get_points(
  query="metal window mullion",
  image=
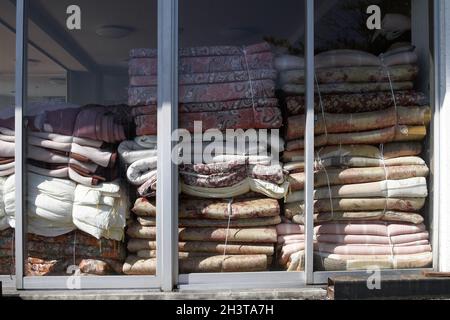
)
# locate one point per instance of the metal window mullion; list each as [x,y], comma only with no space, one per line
[436,129]
[20,143]
[309,141]
[167,191]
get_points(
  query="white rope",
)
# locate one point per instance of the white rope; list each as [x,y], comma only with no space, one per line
[230,213]
[328,183]
[249,78]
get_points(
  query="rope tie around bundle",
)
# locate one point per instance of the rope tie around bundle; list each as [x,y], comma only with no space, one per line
[229,213]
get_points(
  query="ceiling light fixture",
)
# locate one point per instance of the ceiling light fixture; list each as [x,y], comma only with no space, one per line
[114,32]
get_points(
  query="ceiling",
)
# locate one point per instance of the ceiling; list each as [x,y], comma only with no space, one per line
[202,22]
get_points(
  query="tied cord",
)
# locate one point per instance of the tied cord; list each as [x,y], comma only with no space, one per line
[74,248]
[391,246]
[394,99]
[321,107]
[244,50]
[386,197]
[230,213]
[321,166]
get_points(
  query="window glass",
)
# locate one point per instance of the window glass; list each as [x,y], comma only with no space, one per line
[7,134]
[231,127]
[372,135]
[90,171]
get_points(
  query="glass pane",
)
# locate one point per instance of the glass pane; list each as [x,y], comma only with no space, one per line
[87,161]
[231,135]
[7,101]
[372,135]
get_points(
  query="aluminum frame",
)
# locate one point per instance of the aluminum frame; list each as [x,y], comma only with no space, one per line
[167,196]
[20,98]
[54,282]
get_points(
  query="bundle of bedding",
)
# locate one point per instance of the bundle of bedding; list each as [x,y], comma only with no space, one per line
[233,235]
[224,87]
[386,245]
[54,256]
[369,130]
[360,98]
[232,169]
[139,158]
[77,143]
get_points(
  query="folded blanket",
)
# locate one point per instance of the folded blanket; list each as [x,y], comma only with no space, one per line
[268,189]
[139,245]
[366,239]
[219,209]
[373,228]
[360,204]
[250,118]
[388,152]
[205,51]
[206,64]
[356,58]
[138,96]
[404,188]
[336,262]
[332,176]
[338,88]
[4,224]
[101,123]
[227,263]
[142,170]
[406,72]
[6,149]
[50,203]
[338,123]
[291,211]
[392,134]
[252,235]
[208,78]
[356,102]
[131,151]
[211,106]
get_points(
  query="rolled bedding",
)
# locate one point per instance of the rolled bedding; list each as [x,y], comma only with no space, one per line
[356,102]
[7,147]
[347,152]
[358,204]
[220,263]
[206,59]
[268,189]
[405,188]
[140,158]
[398,73]
[53,256]
[344,176]
[336,262]
[247,235]
[50,205]
[291,213]
[364,121]
[250,118]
